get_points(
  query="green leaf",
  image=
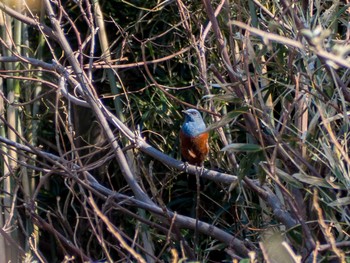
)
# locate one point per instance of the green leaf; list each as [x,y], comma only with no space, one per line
[288,178]
[340,201]
[312,180]
[227,118]
[242,147]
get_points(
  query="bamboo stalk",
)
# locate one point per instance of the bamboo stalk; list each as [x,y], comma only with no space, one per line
[11,155]
[106,55]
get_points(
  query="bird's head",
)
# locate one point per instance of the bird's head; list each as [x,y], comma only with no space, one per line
[194,124]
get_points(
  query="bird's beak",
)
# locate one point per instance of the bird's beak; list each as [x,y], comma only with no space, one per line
[185,112]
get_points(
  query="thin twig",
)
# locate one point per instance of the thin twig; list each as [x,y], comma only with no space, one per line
[114,232]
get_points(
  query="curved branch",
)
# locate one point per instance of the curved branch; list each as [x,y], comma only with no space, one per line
[103,192]
[95,104]
[280,213]
[142,200]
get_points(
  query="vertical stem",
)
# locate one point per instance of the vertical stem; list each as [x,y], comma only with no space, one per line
[3,162]
[11,37]
[106,55]
[10,154]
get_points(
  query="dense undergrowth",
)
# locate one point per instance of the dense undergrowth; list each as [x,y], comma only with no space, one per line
[90,112]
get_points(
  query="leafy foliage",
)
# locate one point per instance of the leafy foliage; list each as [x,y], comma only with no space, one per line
[270,77]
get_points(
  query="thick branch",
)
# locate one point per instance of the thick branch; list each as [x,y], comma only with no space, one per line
[181,221]
[95,105]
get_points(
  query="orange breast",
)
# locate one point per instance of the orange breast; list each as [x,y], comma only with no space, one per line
[194,149]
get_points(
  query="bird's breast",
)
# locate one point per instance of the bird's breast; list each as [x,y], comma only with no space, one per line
[194,149]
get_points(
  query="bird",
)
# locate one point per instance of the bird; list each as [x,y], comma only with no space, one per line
[194,138]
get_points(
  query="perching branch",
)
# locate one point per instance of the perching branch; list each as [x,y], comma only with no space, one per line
[104,192]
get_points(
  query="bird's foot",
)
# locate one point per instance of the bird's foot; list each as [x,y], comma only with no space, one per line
[186,167]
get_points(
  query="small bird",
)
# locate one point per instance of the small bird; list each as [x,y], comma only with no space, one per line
[193,138]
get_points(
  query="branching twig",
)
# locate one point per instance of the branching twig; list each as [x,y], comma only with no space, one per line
[115,233]
[181,221]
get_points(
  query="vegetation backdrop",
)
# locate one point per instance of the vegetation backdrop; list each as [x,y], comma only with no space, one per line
[90,112]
